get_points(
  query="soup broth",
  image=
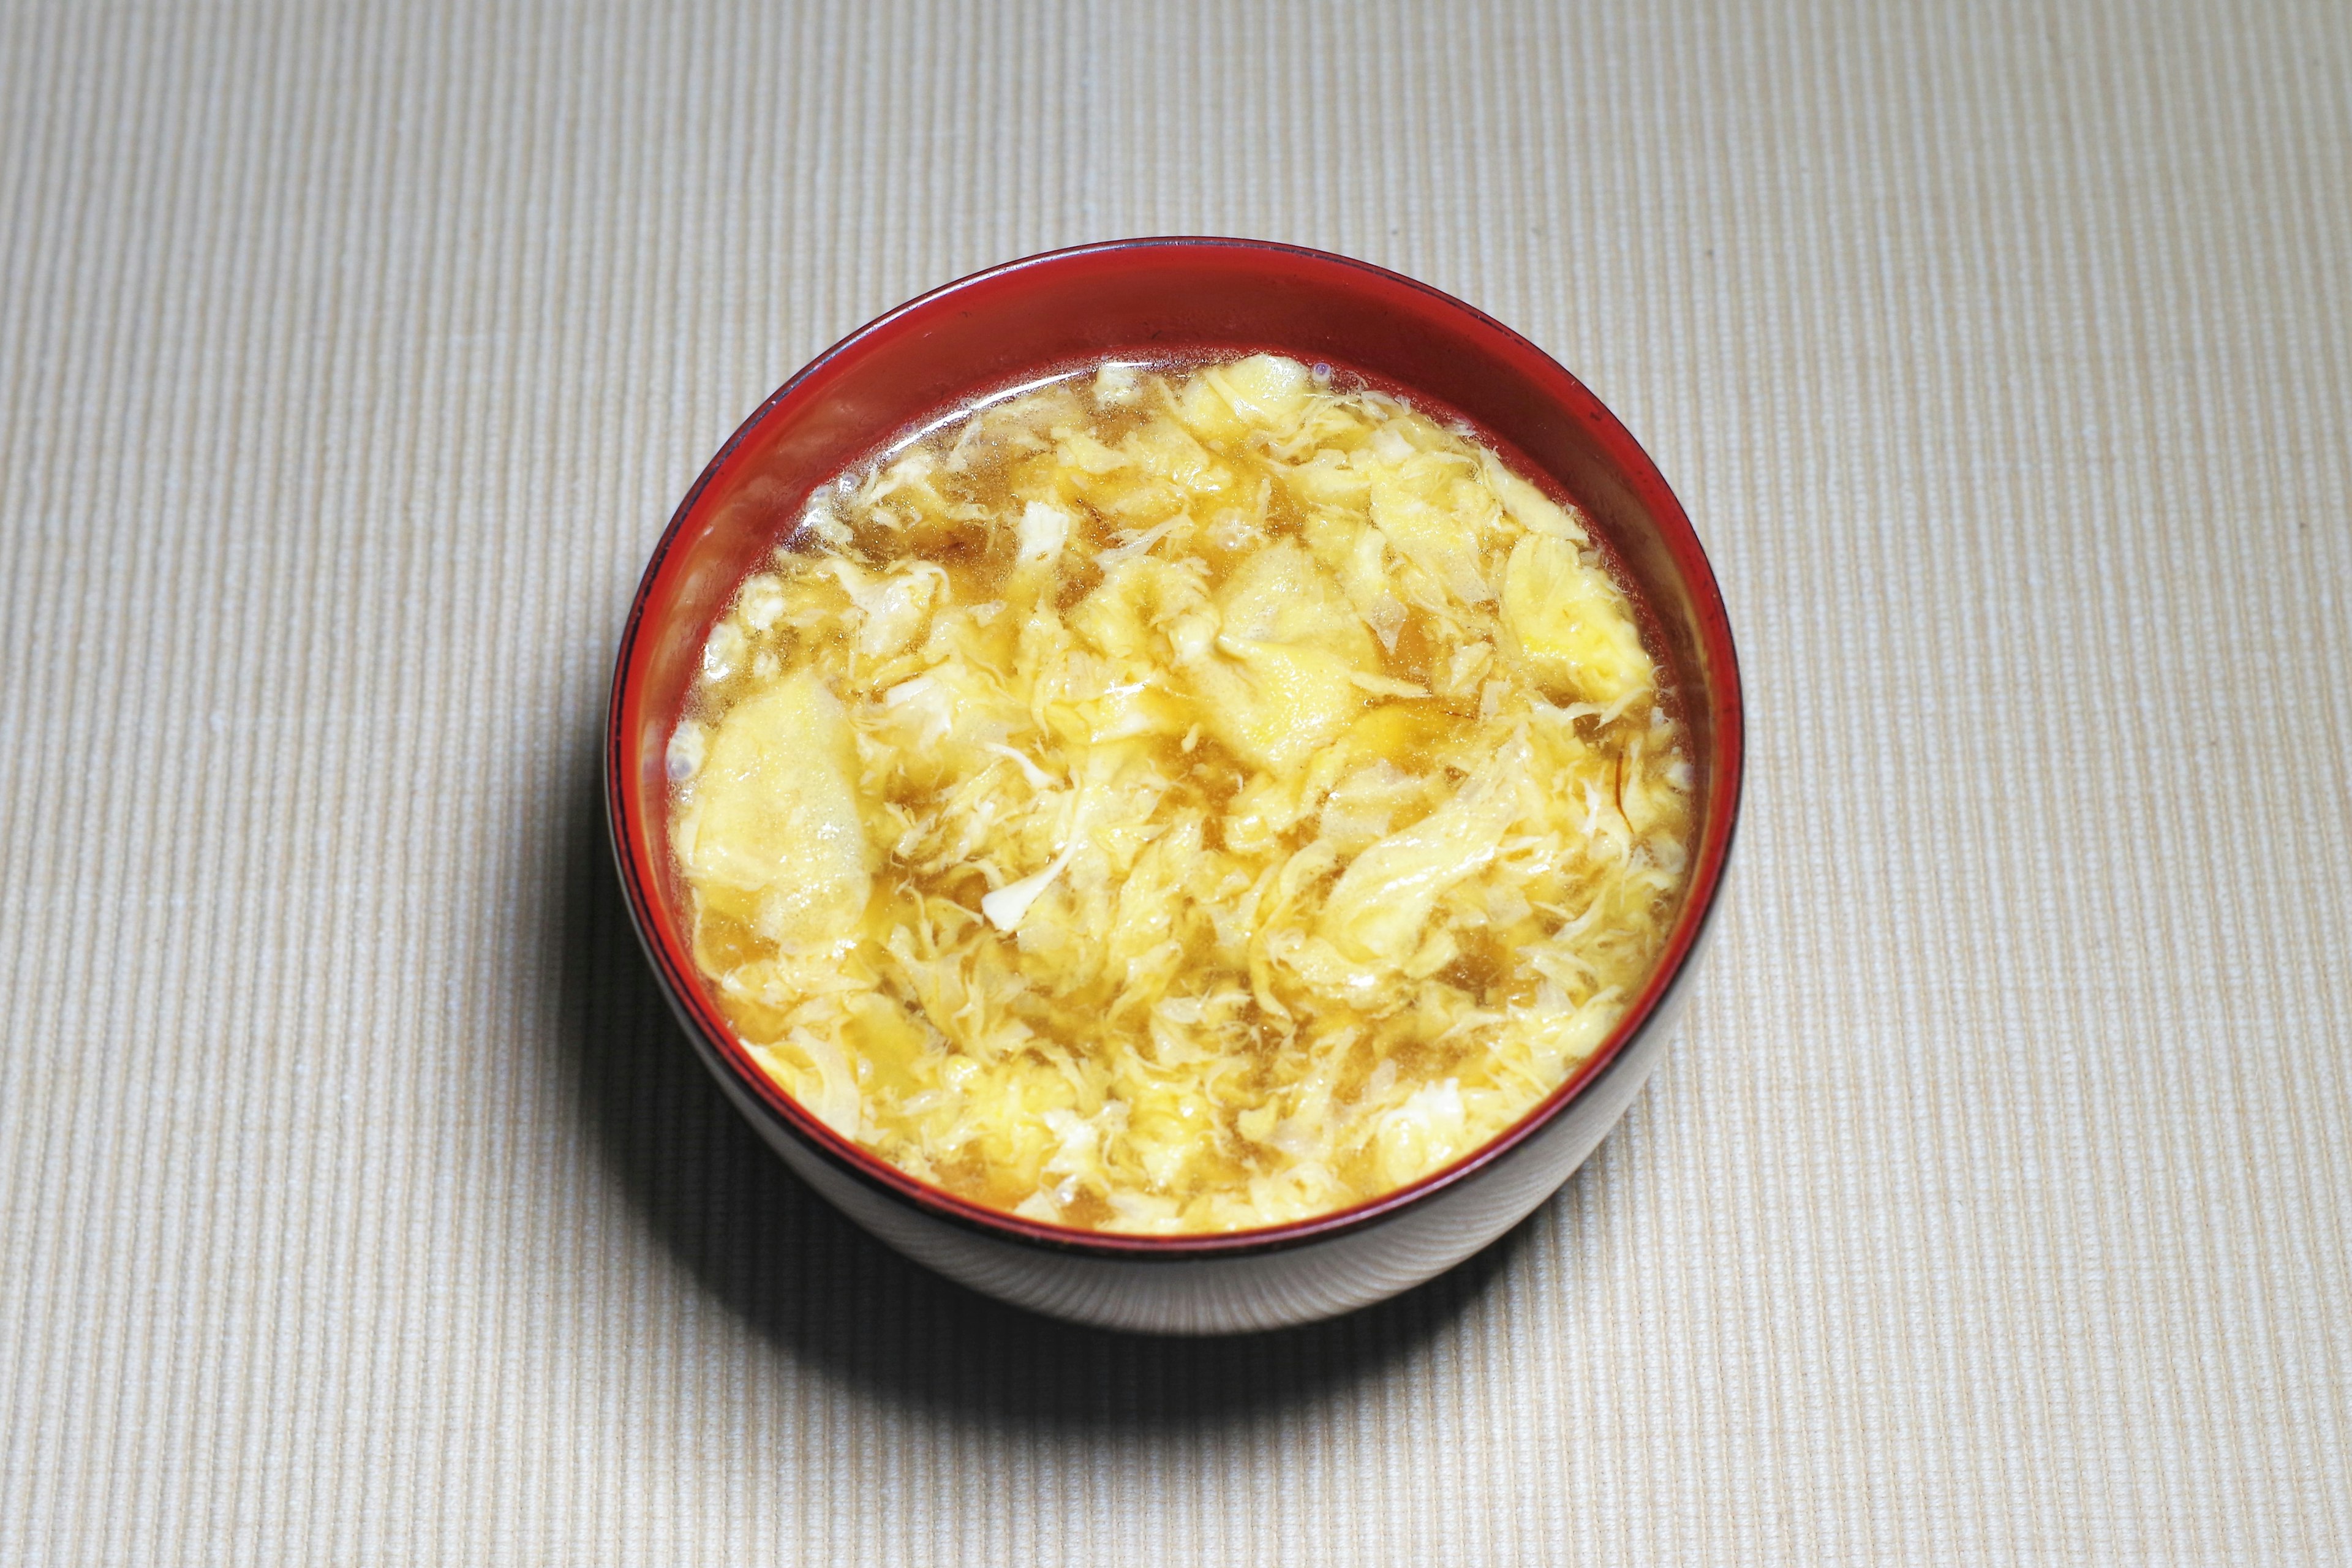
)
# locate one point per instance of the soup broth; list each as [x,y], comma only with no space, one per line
[1180,798]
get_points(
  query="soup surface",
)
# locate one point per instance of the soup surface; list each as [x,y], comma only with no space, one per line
[1180,799]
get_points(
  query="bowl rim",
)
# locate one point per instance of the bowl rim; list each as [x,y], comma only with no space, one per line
[720,1046]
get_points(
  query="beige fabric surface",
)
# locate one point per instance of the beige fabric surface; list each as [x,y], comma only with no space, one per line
[358,1202]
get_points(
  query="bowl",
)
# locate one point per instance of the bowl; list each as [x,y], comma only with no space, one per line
[1028,320]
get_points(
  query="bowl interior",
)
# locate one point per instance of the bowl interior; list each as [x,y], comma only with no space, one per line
[1136,301]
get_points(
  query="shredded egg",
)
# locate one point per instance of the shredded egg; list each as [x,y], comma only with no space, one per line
[1180,799]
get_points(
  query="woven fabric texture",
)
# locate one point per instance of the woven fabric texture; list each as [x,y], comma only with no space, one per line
[358,1201]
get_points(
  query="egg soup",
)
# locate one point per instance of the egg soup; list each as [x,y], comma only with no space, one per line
[1180,799]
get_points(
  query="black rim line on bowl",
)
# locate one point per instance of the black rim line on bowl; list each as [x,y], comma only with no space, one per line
[870,1169]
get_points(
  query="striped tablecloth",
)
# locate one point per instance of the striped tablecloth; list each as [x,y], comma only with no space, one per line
[358,1204]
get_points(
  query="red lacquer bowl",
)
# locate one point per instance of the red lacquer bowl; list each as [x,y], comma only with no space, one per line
[1136,300]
